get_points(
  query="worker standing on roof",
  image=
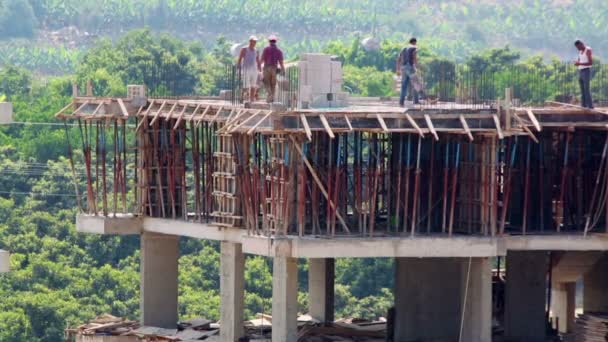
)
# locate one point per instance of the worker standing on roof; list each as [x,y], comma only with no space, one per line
[249,63]
[584,63]
[272,58]
[407,63]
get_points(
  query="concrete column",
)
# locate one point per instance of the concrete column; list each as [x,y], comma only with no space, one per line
[525,295]
[284,299]
[563,305]
[232,291]
[595,283]
[429,298]
[321,276]
[158,288]
[477,325]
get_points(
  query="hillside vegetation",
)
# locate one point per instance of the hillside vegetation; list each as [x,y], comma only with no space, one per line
[454,28]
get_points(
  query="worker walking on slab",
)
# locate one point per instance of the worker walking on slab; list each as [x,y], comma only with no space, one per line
[584,64]
[407,63]
[272,58]
[250,65]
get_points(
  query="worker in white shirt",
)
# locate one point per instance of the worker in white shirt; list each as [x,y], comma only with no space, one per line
[584,63]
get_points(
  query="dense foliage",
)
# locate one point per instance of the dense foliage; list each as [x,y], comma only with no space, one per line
[454,28]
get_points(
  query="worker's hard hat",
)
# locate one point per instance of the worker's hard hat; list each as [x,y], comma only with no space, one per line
[273,37]
[254,38]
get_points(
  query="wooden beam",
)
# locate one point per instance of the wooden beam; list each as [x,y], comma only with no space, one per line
[326,126]
[157,115]
[202,115]
[414,124]
[80,107]
[306,127]
[382,123]
[525,127]
[532,118]
[146,114]
[463,121]
[252,129]
[429,123]
[319,183]
[217,114]
[123,108]
[498,129]
[60,113]
[179,119]
[245,121]
[350,127]
[181,114]
[577,106]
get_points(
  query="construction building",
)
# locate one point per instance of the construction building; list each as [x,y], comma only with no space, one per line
[444,188]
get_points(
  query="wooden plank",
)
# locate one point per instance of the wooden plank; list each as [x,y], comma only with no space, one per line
[525,127]
[466,127]
[80,108]
[429,123]
[252,129]
[306,127]
[382,123]
[157,115]
[145,116]
[414,124]
[123,108]
[181,114]
[219,111]
[319,183]
[245,121]
[578,107]
[179,119]
[533,119]
[326,126]
[350,127]
[202,115]
[498,129]
[60,113]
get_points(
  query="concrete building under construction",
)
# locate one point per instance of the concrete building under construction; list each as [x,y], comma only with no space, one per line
[444,188]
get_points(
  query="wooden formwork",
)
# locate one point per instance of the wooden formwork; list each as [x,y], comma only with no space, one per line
[365,171]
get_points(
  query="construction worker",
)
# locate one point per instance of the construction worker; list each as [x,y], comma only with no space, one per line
[272,58]
[250,66]
[407,63]
[584,63]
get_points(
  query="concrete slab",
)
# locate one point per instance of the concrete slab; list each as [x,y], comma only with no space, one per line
[562,242]
[571,266]
[4,261]
[119,225]
[416,247]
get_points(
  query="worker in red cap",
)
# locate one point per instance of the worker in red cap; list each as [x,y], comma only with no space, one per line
[272,59]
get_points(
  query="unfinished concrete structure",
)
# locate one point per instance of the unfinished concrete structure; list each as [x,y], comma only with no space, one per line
[443,188]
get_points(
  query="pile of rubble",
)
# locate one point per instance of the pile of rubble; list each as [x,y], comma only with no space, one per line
[591,327]
[257,330]
[108,325]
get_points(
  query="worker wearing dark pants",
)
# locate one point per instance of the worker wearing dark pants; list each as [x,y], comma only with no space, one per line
[584,64]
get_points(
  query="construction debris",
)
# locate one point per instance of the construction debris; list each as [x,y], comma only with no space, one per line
[591,327]
[107,325]
[258,329]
